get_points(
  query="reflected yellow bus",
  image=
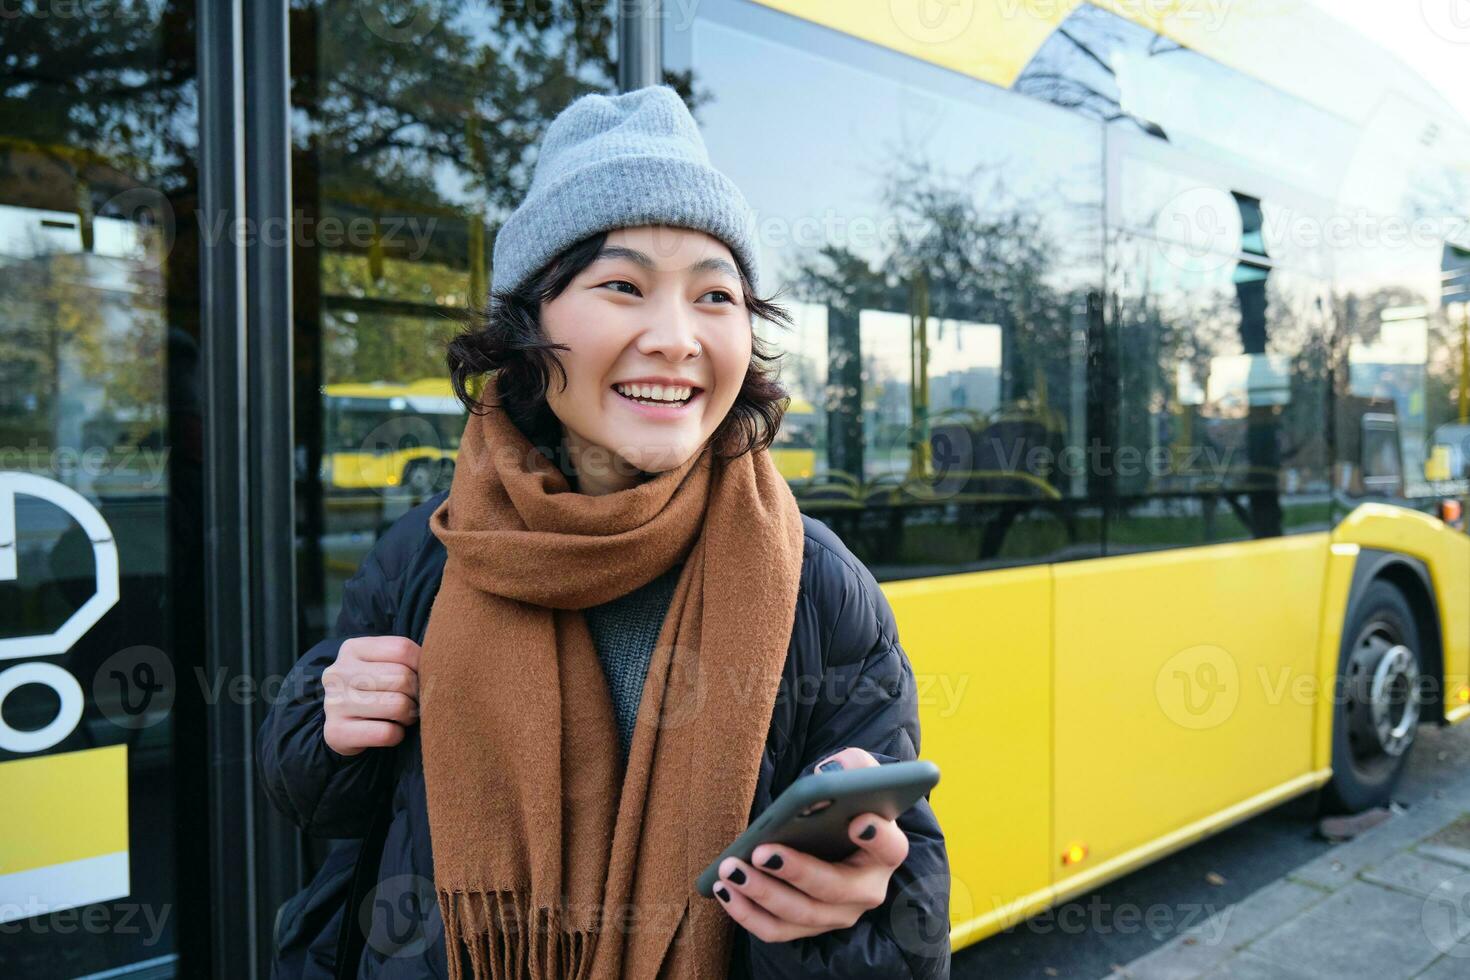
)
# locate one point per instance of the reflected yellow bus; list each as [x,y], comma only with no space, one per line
[794,450]
[383,435]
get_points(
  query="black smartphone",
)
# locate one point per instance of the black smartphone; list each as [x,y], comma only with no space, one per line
[813,813]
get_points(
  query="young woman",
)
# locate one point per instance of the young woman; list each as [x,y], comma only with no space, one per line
[585,668]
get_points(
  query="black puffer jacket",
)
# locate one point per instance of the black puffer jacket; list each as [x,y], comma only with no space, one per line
[847,683]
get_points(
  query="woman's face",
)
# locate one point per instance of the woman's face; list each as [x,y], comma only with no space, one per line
[658,313]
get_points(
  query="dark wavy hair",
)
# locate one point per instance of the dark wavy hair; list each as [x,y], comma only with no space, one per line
[506,342]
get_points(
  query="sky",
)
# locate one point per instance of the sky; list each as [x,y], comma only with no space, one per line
[1433,36]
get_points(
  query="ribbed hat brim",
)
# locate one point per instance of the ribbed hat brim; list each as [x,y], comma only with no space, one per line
[630,191]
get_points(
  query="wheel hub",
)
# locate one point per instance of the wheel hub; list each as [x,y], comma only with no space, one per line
[1395,704]
[1386,709]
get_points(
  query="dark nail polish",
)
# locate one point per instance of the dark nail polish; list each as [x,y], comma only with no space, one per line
[724,895]
[829,766]
[773,862]
[868,832]
[737,876]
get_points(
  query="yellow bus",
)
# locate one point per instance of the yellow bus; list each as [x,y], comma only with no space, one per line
[1149,421]
[794,450]
[383,435]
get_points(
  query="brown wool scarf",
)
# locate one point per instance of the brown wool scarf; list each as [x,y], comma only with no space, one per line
[550,861]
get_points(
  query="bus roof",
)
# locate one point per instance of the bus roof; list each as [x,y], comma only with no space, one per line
[431,387]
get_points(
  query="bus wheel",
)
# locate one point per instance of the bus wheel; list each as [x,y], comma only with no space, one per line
[1375,714]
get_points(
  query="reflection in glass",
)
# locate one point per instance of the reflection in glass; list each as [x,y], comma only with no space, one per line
[100,485]
[411,145]
[940,284]
[1222,399]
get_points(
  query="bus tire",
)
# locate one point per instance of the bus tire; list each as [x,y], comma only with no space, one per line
[1377,700]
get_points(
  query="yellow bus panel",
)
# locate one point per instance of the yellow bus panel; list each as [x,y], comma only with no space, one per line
[1184,684]
[981,648]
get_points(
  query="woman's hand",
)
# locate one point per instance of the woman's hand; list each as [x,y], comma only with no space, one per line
[371,693]
[787,894]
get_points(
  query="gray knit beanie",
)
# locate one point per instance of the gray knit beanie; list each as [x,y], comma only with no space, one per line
[620,161]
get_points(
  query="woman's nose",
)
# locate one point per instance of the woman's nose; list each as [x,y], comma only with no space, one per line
[672,333]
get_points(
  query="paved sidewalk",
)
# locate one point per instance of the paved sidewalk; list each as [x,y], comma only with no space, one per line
[1392,903]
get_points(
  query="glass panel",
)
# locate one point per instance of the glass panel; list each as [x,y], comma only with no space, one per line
[1221,268]
[100,492]
[412,125]
[1404,299]
[937,241]
[1222,395]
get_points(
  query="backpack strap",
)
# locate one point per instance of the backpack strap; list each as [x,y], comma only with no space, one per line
[350,935]
[411,619]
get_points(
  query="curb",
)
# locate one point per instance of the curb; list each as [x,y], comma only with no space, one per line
[1392,902]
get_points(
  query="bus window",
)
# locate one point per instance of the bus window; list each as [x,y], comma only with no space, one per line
[1450,448]
[1222,395]
[943,289]
[1382,463]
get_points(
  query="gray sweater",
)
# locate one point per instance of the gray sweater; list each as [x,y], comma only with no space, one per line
[624,632]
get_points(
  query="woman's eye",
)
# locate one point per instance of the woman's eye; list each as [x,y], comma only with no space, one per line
[728,298]
[622,282]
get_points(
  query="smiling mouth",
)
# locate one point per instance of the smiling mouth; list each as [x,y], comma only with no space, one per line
[668,395]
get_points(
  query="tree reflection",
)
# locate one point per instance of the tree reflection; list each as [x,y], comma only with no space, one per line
[413,130]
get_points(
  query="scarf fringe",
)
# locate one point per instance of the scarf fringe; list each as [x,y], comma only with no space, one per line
[487,926]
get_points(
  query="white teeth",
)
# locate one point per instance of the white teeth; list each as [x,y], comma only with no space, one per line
[671,393]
